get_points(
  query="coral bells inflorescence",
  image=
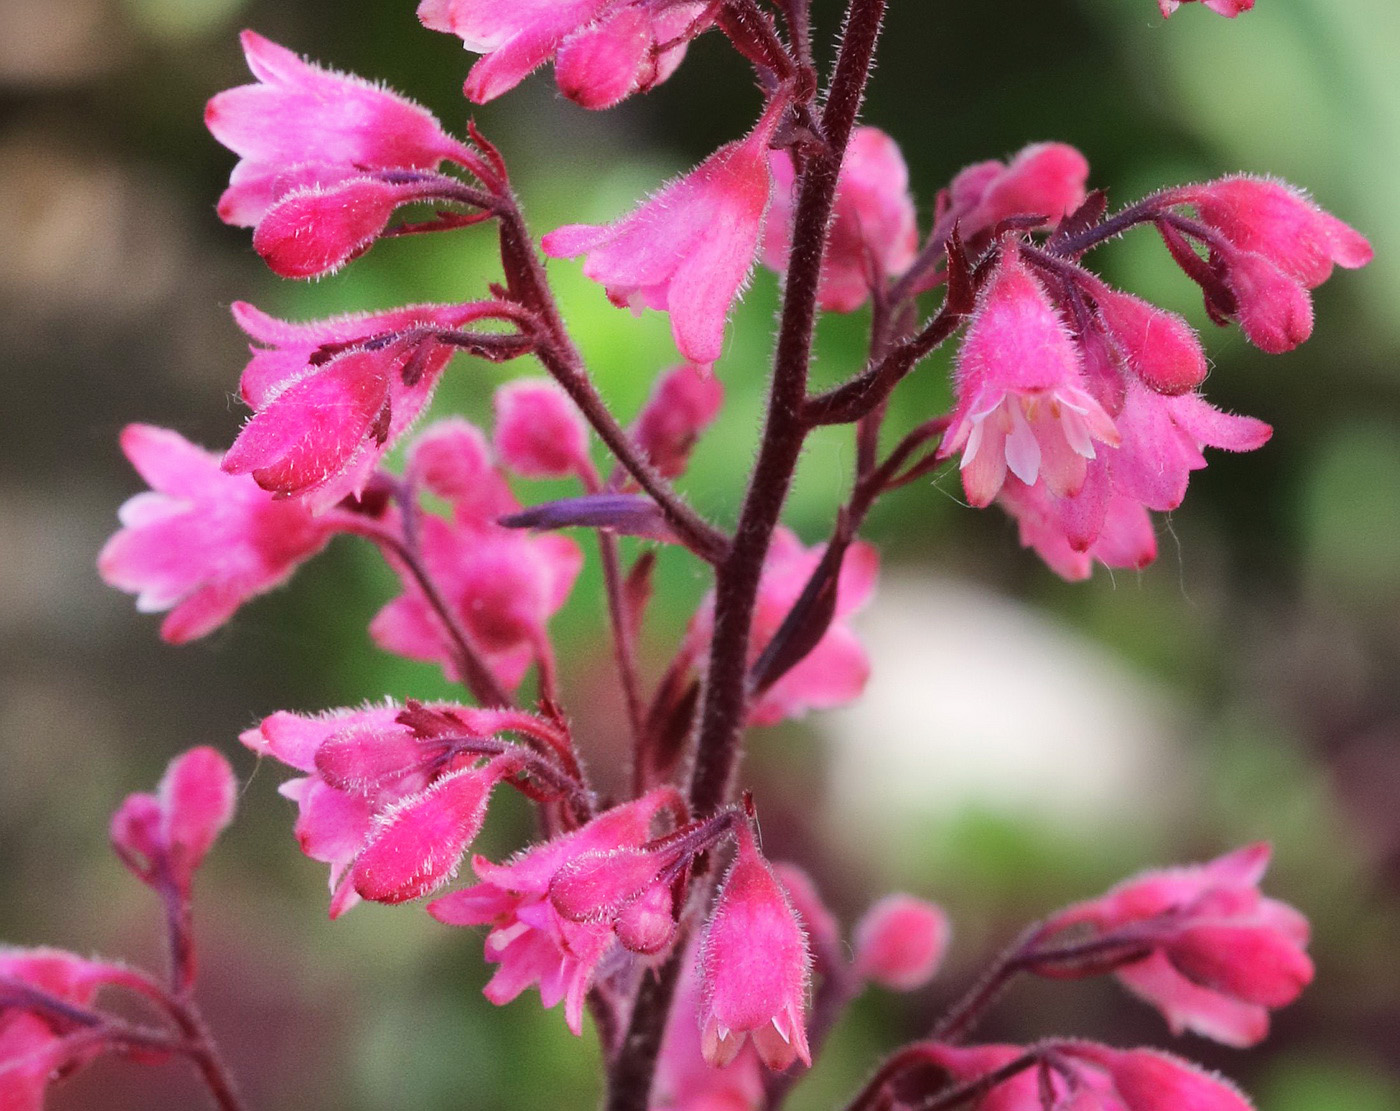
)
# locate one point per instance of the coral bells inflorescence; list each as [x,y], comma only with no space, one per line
[646,900]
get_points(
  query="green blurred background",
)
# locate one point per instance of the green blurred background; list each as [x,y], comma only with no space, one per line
[1025,741]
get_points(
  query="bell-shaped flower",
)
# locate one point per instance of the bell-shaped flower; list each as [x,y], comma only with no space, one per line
[688,249]
[331,397]
[302,126]
[685,1081]
[163,837]
[755,967]
[539,432]
[1222,955]
[1043,179]
[1022,406]
[873,234]
[200,542]
[605,50]
[835,671]
[900,942]
[683,403]
[531,942]
[1228,8]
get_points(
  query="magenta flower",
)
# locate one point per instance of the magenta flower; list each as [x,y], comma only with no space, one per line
[900,942]
[539,432]
[836,670]
[1222,954]
[1228,8]
[162,838]
[201,542]
[606,49]
[683,403]
[1022,406]
[531,942]
[688,250]
[321,426]
[873,234]
[1043,179]
[755,967]
[302,127]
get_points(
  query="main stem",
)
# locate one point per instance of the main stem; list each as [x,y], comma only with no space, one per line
[737,574]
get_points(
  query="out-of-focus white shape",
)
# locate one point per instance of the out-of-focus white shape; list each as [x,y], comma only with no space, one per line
[980,702]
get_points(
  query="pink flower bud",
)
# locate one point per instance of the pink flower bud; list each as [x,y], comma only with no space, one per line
[683,403]
[648,922]
[201,542]
[1228,8]
[197,796]
[1158,346]
[690,247]
[1275,310]
[453,459]
[1044,179]
[1150,1080]
[539,432]
[304,126]
[318,230]
[900,942]
[873,234]
[367,759]
[417,844]
[755,967]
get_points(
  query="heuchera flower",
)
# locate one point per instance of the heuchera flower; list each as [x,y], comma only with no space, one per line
[539,432]
[35,1044]
[836,670]
[900,942]
[1227,8]
[755,967]
[873,235]
[201,542]
[604,50]
[1222,953]
[1043,179]
[303,127]
[532,943]
[502,584]
[683,403]
[1087,1077]
[1022,405]
[320,428]
[163,837]
[687,250]
[390,811]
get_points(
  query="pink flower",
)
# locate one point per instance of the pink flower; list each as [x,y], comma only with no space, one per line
[201,542]
[531,942]
[900,942]
[539,432]
[502,584]
[685,1081]
[388,802]
[755,967]
[1044,179]
[1022,405]
[1228,8]
[1222,954]
[163,837]
[688,250]
[683,403]
[321,426]
[1159,347]
[605,50]
[302,126]
[873,234]
[836,670]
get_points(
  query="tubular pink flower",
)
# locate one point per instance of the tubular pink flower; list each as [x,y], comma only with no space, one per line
[755,967]
[539,432]
[302,126]
[1022,405]
[900,942]
[1228,8]
[873,234]
[683,403]
[201,542]
[606,49]
[317,229]
[1043,179]
[1223,954]
[1157,346]
[320,428]
[688,250]
[531,942]
[836,670]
